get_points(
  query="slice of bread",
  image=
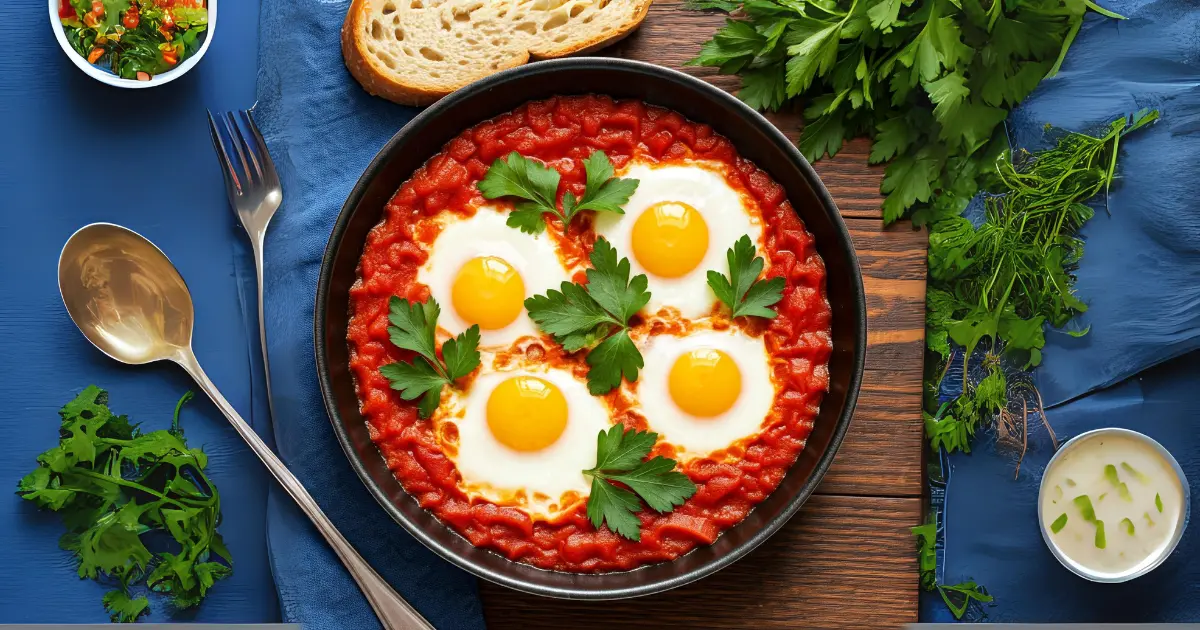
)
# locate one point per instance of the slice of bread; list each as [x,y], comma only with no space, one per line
[414,52]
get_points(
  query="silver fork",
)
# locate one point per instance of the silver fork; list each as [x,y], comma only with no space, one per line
[255,193]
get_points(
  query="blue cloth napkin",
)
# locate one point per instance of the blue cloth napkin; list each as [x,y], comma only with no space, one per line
[77,151]
[323,130]
[1140,274]
[991,523]
[1141,279]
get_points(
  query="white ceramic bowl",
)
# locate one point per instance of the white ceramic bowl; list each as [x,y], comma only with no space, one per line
[103,75]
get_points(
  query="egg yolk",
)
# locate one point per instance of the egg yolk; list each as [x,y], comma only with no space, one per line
[526,413]
[489,292]
[670,239]
[705,382]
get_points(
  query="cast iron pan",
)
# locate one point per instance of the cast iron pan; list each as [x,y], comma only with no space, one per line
[757,140]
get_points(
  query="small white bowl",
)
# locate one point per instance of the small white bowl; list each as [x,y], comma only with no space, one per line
[1153,561]
[105,76]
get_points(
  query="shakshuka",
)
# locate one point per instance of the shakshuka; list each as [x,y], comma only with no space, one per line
[502,458]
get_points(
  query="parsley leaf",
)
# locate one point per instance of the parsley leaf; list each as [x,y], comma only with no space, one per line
[619,457]
[414,328]
[742,291]
[596,316]
[929,81]
[609,283]
[537,186]
[612,359]
[604,192]
[124,609]
[112,484]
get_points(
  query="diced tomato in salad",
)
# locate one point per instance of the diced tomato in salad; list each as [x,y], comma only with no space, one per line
[65,10]
[136,38]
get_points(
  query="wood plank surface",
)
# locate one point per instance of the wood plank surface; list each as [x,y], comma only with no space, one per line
[835,565]
[847,560]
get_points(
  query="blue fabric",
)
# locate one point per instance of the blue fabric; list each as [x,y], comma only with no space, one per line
[1140,274]
[76,151]
[323,130]
[1141,279]
[991,526]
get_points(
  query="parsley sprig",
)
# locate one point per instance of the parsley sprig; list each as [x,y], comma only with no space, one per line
[537,186]
[578,316]
[619,458]
[414,328]
[112,484]
[742,290]
[929,81]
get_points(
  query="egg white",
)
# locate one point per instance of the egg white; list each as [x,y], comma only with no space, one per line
[536,480]
[703,188]
[694,436]
[485,234]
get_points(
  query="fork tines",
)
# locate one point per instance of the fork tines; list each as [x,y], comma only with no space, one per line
[245,162]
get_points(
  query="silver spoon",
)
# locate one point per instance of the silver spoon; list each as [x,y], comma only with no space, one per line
[132,304]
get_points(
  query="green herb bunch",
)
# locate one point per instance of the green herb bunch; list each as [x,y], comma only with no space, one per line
[998,284]
[929,81]
[112,485]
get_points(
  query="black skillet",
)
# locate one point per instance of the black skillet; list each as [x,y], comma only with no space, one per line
[756,139]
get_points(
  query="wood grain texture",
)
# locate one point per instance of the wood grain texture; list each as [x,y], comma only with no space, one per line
[671,35]
[843,562]
[847,560]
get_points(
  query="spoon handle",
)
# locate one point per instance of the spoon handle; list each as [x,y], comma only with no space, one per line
[393,612]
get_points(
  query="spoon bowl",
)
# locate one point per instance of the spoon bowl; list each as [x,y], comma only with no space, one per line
[125,295]
[129,301]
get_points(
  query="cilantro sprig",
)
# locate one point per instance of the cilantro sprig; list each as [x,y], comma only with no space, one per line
[536,185]
[619,458]
[112,485]
[414,328]
[742,290]
[929,81]
[596,316]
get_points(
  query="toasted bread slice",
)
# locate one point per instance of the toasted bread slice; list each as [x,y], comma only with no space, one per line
[414,52]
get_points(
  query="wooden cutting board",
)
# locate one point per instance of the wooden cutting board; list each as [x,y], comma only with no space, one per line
[847,559]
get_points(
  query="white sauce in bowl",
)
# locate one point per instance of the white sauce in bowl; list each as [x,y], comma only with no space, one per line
[1111,503]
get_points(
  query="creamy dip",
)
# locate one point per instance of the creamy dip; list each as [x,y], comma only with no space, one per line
[1111,503]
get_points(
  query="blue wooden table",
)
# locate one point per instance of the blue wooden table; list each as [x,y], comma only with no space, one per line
[76,151]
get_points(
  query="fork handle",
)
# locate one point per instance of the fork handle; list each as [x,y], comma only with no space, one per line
[394,613]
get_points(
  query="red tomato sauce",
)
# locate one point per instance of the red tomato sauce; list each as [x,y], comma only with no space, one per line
[562,132]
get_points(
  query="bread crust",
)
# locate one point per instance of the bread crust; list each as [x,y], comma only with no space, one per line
[381,81]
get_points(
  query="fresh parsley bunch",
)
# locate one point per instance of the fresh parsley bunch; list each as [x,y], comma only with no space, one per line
[619,458]
[536,185]
[414,328]
[113,484]
[596,316]
[929,81]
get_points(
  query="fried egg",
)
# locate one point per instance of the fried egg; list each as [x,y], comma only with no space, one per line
[481,271]
[677,226]
[705,391]
[524,437]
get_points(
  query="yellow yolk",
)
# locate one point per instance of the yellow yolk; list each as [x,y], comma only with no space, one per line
[670,239]
[705,382]
[489,292]
[526,413]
